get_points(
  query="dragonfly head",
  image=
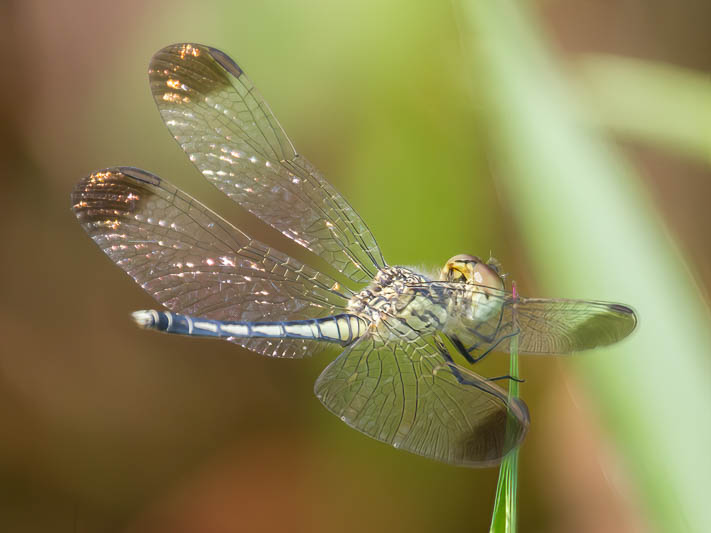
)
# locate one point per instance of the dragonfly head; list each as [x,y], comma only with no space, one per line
[472,270]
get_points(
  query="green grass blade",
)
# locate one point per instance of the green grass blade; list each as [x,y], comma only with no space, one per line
[503,518]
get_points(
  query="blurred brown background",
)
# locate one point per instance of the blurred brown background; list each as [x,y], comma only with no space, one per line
[108,428]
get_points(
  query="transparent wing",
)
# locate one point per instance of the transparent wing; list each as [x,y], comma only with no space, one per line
[194,262]
[545,326]
[231,135]
[564,326]
[409,395]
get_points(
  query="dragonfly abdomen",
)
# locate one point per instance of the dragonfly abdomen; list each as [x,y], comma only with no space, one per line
[342,329]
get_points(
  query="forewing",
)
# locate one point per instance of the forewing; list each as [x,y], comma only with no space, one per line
[230,134]
[196,263]
[544,326]
[564,326]
[408,395]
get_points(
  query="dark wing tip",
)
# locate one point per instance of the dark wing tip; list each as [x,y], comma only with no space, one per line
[179,73]
[611,324]
[627,316]
[628,313]
[82,190]
[226,61]
[111,192]
[138,175]
[624,309]
[519,419]
[181,50]
[500,433]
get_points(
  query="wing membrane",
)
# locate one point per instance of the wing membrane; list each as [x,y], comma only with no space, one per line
[230,134]
[194,262]
[407,394]
[565,326]
[545,326]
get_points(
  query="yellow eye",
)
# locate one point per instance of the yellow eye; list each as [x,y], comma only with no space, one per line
[470,269]
[455,274]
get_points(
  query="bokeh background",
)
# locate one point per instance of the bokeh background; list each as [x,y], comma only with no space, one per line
[570,139]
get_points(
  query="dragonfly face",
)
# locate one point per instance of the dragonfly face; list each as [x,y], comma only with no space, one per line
[470,269]
[396,380]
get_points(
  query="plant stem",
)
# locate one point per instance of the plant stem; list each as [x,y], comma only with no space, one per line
[503,519]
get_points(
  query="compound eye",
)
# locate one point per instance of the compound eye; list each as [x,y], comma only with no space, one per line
[487,276]
[459,268]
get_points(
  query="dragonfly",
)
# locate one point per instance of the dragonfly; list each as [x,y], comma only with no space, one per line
[396,379]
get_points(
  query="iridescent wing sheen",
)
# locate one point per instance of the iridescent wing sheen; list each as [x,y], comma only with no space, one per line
[545,326]
[194,262]
[410,395]
[232,137]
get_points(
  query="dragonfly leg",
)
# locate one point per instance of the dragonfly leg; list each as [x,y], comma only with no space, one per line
[462,349]
[453,367]
[490,349]
[467,352]
[507,376]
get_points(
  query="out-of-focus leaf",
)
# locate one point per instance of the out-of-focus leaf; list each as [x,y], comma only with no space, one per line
[661,104]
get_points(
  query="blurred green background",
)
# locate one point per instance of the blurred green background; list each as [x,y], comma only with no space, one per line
[570,139]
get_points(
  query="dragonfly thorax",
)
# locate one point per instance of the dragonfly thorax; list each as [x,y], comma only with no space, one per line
[397,304]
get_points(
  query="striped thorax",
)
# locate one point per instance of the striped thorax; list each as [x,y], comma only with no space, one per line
[398,304]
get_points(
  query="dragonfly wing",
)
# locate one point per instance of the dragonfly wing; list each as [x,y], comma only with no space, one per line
[486,319]
[230,134]
[560,327]
[407,394]
[194,262]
